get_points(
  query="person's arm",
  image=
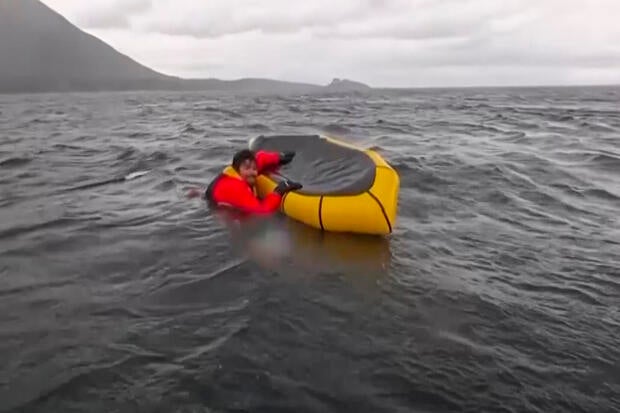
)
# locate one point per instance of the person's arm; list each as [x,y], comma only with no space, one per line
[240,196]
[267,160]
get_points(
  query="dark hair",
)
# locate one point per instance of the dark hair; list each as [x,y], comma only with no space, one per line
[241,156]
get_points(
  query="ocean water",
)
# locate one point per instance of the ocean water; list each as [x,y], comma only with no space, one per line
[498,290]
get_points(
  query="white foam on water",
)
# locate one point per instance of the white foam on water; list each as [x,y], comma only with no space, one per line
[135,175]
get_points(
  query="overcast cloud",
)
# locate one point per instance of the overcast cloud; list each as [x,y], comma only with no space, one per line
[380,42]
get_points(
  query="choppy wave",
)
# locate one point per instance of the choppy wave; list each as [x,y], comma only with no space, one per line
[497,291]
[14,161]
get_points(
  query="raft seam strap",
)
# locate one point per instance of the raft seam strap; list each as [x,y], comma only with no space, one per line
[382,209]
[282,203]
[321,213]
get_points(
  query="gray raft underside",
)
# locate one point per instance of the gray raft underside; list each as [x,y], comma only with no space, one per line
[322,167]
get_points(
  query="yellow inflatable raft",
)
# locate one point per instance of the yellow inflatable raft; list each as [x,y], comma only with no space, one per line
[346,188]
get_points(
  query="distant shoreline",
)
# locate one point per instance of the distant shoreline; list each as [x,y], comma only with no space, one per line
[319,90]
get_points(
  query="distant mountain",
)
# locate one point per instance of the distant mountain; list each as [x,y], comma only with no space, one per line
[345,85]
[249,85]
[41,51]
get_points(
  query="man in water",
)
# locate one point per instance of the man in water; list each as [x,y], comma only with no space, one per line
[235,186]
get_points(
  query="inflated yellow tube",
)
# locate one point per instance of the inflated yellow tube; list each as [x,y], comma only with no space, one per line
[363,197]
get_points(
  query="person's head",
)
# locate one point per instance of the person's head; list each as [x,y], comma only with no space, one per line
[244,163]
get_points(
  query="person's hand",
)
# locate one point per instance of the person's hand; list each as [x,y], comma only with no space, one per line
[286,157]
[195,193]
[286,186]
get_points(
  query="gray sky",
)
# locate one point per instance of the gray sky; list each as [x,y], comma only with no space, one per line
[380,42]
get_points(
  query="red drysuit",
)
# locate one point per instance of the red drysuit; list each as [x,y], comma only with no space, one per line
[229,189]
